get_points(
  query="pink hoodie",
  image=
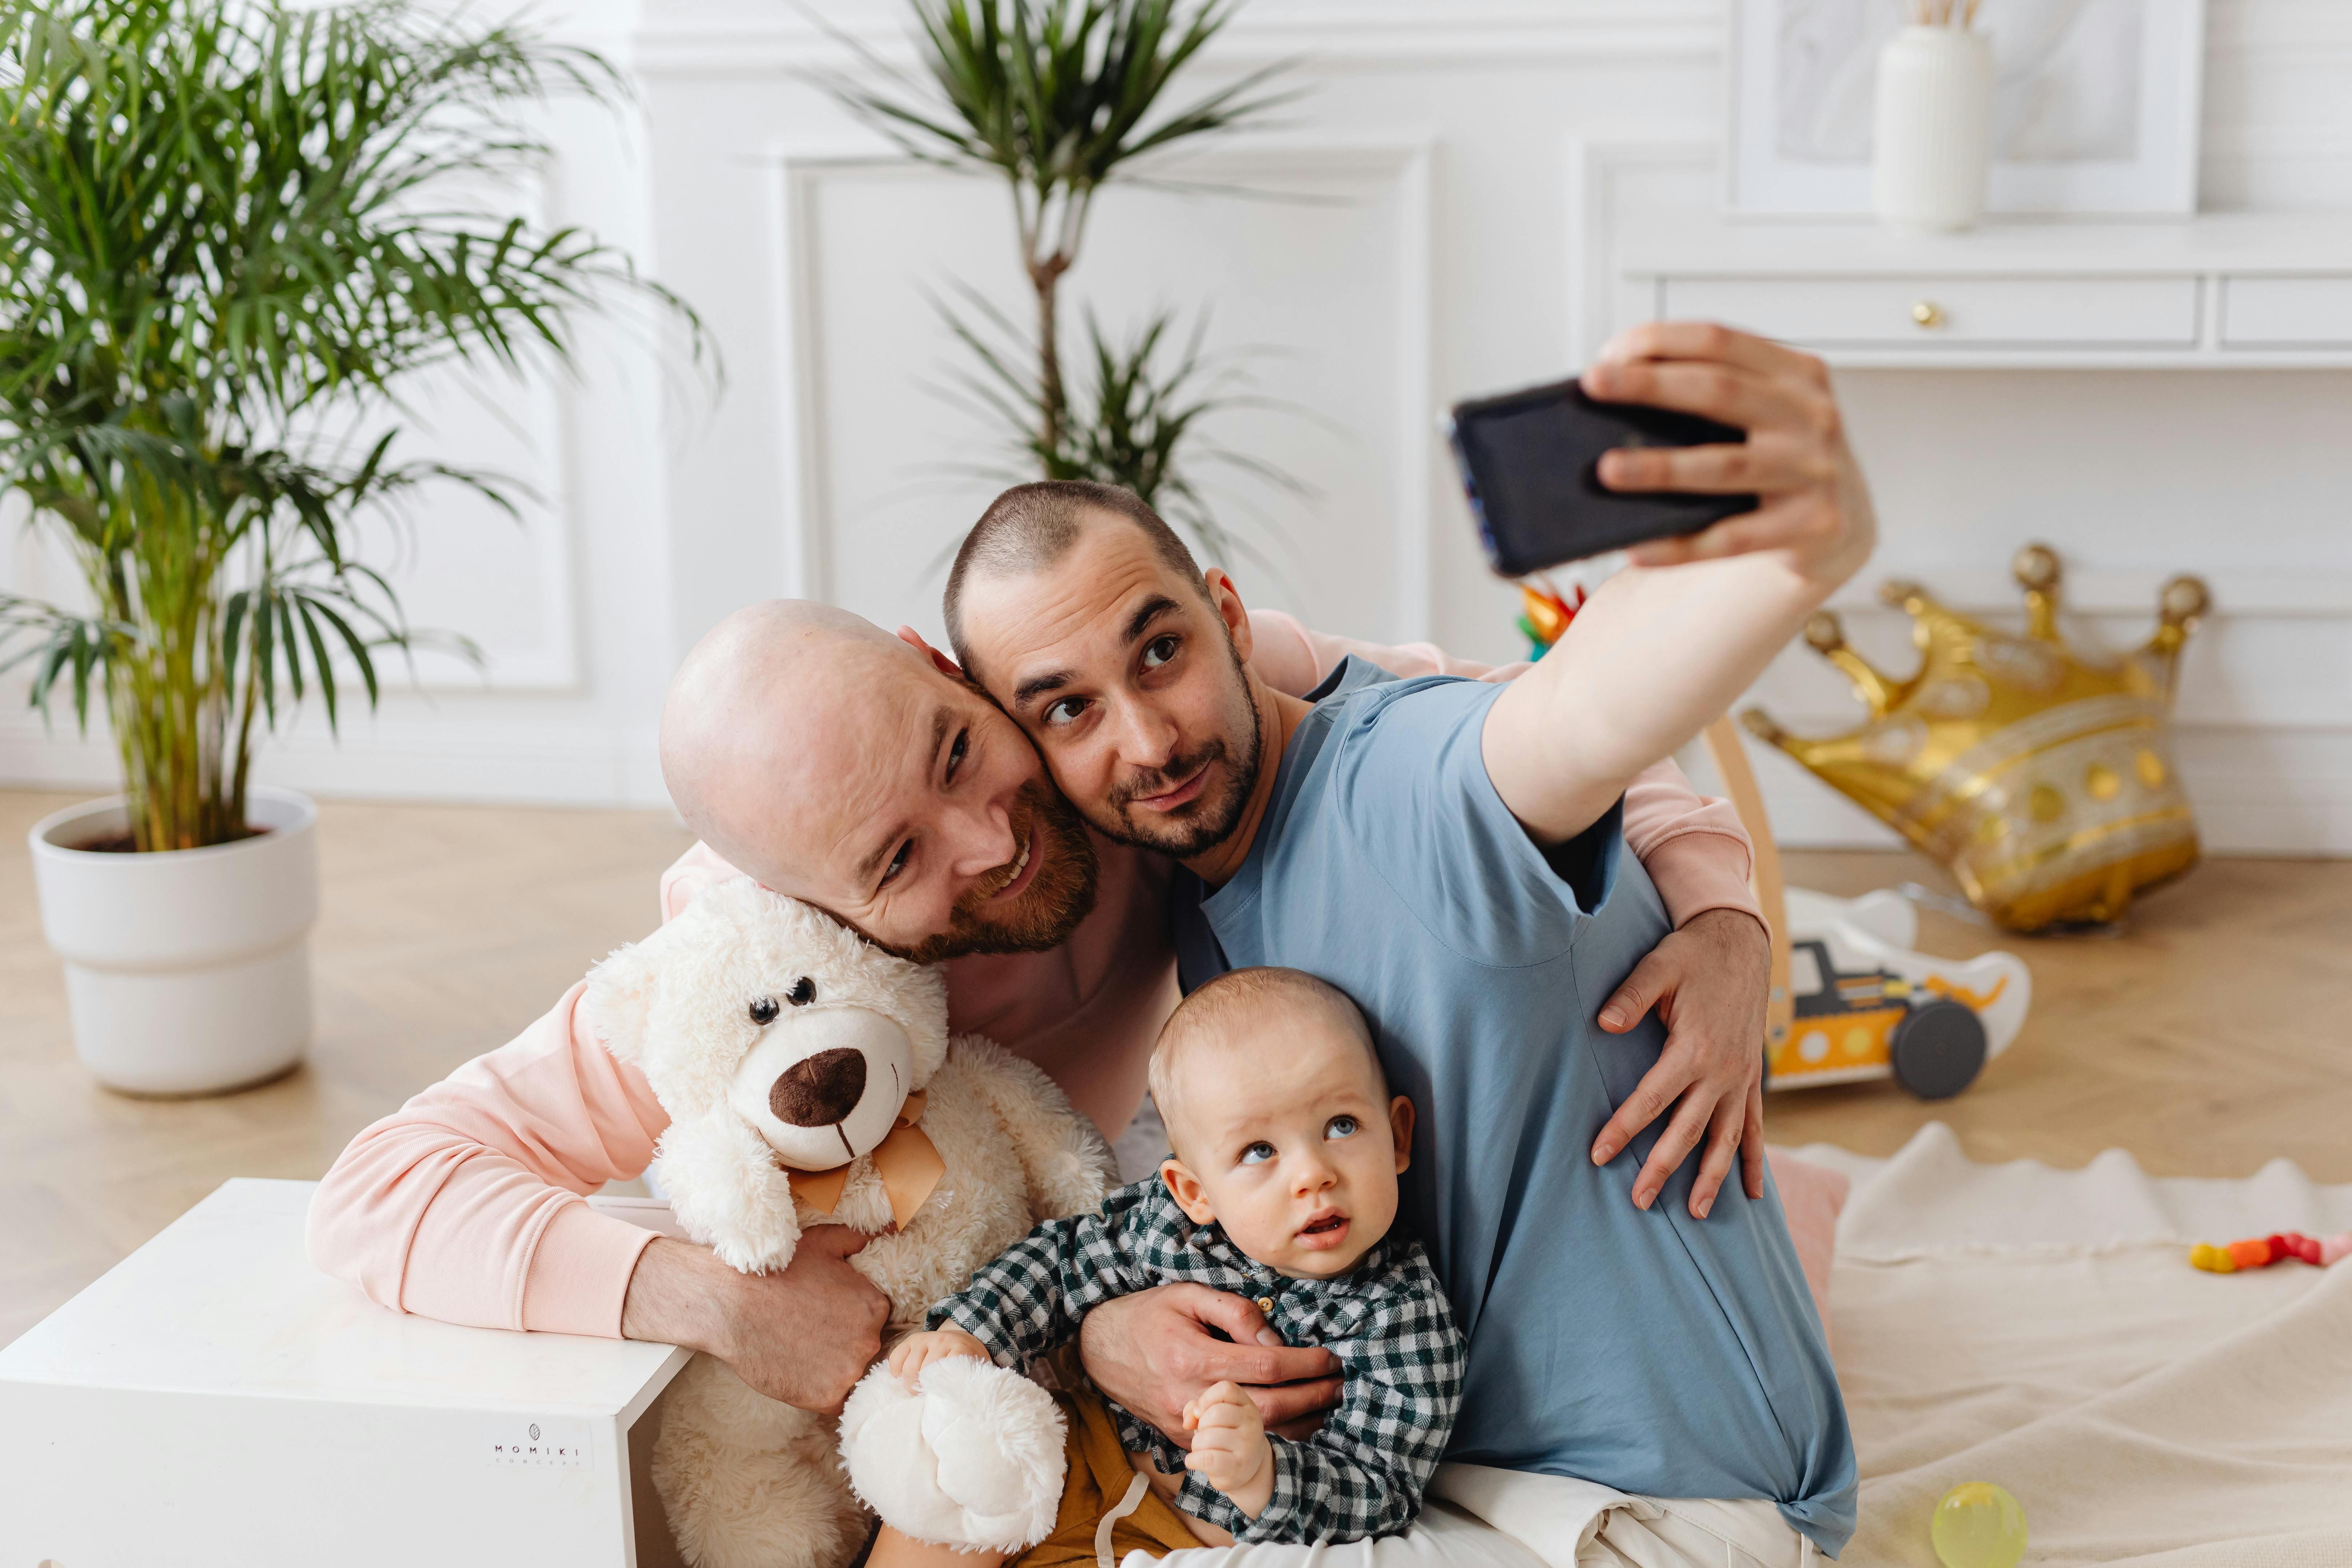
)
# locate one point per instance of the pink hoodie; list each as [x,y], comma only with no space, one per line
[464,1204]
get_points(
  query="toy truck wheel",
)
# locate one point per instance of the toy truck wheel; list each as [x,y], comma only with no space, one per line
[1937,1050]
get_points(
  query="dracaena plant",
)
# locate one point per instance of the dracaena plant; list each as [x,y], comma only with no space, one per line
[1058,99]
[227,225]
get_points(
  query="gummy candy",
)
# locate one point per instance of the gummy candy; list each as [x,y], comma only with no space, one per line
[2260,1252]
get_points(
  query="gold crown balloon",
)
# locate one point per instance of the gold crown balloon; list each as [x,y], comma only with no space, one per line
[2042,780]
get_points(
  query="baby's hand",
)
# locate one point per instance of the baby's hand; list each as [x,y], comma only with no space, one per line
[1229,1447]
[917,1351]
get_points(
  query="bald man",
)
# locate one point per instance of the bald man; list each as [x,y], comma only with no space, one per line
[925,823]
[859,772]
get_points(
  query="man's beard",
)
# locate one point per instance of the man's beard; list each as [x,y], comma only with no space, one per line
[1200,824]
[1058,897]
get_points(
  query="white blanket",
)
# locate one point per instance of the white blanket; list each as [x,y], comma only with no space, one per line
[2041,1329]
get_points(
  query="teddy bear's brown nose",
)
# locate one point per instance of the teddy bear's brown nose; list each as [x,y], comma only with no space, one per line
[821,1090]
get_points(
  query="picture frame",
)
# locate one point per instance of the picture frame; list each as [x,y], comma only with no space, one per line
[2096,108]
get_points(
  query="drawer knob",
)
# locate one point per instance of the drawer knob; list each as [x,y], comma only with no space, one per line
[1928,313]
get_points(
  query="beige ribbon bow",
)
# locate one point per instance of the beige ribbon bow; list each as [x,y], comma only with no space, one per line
[906,1160]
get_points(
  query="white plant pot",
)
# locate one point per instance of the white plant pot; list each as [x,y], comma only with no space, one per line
[1932,155]
[187,971]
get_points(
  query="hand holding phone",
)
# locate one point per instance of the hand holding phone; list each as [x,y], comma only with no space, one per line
[1814,508]
[1530,464]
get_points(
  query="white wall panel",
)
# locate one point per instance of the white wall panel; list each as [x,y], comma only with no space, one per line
[461,562]
[1315,294]
[2241,476]
[1488,154]
[567,601]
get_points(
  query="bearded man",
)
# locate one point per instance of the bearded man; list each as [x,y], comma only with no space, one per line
[863,774]
[1450,855]
[847,767]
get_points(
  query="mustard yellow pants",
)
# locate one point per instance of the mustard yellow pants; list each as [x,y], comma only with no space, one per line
[1099,1479]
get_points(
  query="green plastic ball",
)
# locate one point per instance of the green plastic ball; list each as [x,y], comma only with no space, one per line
[1978,1525]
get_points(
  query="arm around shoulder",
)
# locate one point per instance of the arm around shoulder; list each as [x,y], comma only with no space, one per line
[1695,850]
[1294,660]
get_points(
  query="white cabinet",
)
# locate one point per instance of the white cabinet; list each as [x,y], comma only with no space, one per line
[216,1402]
[2286,312]
[2241,291]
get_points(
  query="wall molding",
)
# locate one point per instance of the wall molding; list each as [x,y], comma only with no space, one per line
[803,479]
[2295,801]
[552,668]
[540,413]
[1593,162]
[2104,592]
[1339,35]
[2231,826]
[40,568]
[2268,143]
[2312,33]
[1323,36]
[394,759]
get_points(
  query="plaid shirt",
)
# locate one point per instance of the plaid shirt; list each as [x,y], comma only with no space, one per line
[1386,1319]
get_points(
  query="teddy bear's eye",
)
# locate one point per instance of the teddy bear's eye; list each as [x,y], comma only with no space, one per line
[804,992]
[763,1010]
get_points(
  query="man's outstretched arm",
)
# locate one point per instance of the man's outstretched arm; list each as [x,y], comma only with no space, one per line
[1666,644]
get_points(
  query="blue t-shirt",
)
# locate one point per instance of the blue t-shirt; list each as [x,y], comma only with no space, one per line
[1649,1352]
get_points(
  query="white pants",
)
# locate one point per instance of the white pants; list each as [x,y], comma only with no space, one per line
[1578,1524]
[1696,1533]
[1481,1518]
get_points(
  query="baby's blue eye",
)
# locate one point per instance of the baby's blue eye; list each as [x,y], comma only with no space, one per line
[1342,1127]
[1257,1153]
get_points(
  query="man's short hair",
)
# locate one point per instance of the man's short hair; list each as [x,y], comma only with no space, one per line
[1030,527]
[1211,1012]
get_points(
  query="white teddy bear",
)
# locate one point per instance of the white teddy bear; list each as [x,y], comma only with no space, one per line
[807,1075]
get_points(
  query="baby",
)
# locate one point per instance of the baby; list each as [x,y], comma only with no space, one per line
[1281,1187]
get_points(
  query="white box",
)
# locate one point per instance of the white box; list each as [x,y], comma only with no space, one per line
[216,1400]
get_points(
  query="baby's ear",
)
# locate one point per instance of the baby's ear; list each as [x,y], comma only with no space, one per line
[620,996]
[1400,1130]
[1185,1188]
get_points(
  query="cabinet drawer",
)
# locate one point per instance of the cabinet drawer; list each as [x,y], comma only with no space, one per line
[2286,312]
[1928,313]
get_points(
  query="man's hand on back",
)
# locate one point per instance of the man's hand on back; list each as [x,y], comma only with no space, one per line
[1153,1351]
[804,1335]
[1708,981]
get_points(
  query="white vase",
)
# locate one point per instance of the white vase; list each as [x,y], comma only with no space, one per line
[187,971]
[1934,147]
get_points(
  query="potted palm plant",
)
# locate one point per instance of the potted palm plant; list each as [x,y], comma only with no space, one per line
[226,226]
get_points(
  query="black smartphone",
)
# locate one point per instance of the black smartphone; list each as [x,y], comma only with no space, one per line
[1530,461]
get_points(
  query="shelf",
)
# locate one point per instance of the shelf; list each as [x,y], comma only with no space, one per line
[2223,291]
